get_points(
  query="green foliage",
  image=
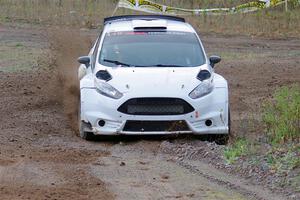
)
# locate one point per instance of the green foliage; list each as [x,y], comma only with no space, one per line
[19,45]
[294,3]
[295,183]
[239,148]
[282,161]
[87,13]
[282,115]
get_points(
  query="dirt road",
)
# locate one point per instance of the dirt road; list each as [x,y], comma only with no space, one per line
[42,158]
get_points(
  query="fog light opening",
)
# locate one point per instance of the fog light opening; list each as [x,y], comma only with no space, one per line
[208,123]
[101,123]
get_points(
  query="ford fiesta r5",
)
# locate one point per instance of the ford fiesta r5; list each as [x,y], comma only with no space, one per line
[149,75]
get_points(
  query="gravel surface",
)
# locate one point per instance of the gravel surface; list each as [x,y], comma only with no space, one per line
[41,157]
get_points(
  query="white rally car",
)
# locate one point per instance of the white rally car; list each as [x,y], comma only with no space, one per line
[147,75]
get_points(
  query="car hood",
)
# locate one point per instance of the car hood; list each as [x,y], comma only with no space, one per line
[152,82]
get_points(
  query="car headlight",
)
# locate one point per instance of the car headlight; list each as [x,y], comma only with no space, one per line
[107,90]
[203,89]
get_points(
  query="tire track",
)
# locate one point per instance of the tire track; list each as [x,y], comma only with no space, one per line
[189,157]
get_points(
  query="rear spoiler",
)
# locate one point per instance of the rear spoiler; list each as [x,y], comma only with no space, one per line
[142,17]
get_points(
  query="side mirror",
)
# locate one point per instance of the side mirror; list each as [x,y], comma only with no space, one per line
[214,60]
[84,60]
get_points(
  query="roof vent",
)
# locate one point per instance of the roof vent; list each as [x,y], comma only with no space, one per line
[149,24]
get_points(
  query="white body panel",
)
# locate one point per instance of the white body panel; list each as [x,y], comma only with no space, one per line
[157,82]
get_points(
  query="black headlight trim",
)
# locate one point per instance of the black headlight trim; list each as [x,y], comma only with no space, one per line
[103,75]
[203,75]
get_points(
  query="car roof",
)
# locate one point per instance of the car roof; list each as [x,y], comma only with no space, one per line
[132,22]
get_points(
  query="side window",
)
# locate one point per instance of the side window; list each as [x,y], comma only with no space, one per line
[94,55]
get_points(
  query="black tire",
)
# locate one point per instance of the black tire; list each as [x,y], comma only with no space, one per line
[221,139]
[89,136]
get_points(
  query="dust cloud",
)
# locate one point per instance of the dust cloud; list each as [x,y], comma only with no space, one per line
[67,45]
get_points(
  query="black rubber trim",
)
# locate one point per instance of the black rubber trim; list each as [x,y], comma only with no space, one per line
[155,126]
[155,106]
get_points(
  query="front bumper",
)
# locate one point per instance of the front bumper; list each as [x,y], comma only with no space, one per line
[96,107]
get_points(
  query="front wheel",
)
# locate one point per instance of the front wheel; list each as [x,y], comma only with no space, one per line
[84,134]
[221,139]
[82,126]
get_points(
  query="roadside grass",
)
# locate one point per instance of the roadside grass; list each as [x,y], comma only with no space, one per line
[78,13]
[282,115]
[283,160]
[247,56]
[273,22]
[17,56]
[19,45]
[239,148]
[295,183]
[281,149]
[250,55]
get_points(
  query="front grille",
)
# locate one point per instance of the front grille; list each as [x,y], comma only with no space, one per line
[155,106]
[156,126]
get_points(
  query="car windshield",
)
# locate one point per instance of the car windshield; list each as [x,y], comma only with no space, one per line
[151,49]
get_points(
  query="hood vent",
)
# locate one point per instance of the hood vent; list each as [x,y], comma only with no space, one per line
[203,75]
[103,75]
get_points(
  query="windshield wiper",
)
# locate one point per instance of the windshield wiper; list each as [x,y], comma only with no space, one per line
[129,65]
[160,65]
[117,62]
[171,65]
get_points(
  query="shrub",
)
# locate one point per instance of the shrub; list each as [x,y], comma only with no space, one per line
[282,115]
